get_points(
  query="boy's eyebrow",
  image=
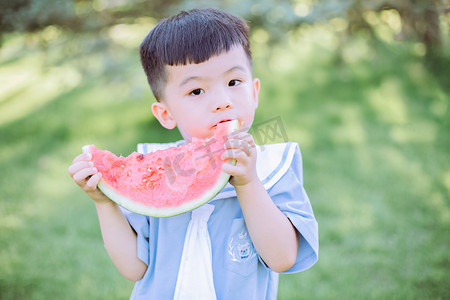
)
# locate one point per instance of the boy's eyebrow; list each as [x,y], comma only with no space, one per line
[186,80]
[235,68]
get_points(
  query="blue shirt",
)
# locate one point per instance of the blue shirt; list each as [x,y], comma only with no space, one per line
[238,271]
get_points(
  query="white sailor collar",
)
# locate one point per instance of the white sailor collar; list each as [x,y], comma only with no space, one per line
[273,160]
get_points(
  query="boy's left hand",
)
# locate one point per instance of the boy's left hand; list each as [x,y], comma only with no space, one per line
[241,147]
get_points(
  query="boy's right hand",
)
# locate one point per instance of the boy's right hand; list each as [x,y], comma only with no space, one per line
[87,177]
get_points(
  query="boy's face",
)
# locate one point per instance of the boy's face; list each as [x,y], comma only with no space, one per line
[199,96]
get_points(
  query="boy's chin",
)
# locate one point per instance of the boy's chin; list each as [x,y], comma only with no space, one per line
[189,138]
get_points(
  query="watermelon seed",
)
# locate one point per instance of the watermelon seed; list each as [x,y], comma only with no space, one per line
[129,173]
[144,180]
[149,169]
[141,156]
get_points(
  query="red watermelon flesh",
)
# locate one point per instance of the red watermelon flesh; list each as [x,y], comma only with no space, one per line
[165,182]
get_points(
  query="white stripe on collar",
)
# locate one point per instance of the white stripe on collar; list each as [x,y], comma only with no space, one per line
[271,164]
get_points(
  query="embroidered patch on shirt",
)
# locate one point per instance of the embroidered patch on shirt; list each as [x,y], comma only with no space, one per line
[240,247]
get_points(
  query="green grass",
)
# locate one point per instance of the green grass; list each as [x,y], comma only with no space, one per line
[373,130]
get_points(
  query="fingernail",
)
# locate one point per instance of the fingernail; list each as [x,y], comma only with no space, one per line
[95,170]
[91,164]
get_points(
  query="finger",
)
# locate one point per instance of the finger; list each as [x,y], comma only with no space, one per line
[81,176]
[245,137]
[239,144]
[240,135]
[237,154]
[93,181]
[250,140]
[83,156]
[76,167]
[232,170]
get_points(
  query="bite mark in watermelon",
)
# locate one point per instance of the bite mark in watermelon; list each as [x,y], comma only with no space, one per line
[165,182]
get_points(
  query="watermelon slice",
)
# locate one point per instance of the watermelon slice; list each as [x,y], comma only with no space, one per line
[165,182]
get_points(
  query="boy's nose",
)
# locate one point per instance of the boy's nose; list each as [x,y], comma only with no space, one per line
[223,106]
[222,102]
[220,99]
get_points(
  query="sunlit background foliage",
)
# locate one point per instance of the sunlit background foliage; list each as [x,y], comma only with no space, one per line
[363,87]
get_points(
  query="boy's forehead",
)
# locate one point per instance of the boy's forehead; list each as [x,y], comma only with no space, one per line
[234,59]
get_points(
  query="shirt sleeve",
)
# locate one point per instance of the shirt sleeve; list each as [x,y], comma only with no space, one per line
[140,225]
[291,198]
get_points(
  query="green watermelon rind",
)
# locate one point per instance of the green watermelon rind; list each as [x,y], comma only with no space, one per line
[164,211]
[161,212]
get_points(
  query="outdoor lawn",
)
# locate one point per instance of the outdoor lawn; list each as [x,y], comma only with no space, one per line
[372,119]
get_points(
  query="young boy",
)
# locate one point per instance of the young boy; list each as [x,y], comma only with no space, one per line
[199,67]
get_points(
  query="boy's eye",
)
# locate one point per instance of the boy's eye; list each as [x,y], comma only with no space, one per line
[234,82]
[196,92]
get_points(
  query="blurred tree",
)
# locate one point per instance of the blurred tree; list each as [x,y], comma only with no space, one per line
[419,21]
[414,20]
[74,15]
[419,18]
[33,15]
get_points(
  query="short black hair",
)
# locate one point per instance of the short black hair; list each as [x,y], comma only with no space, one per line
[192,36]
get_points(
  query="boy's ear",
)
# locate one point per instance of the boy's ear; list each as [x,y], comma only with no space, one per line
[163,115]
[256,89]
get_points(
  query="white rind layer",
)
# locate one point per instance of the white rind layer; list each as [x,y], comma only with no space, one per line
[164,211]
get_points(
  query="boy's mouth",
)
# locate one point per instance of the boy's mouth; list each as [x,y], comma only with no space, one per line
[223,121]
